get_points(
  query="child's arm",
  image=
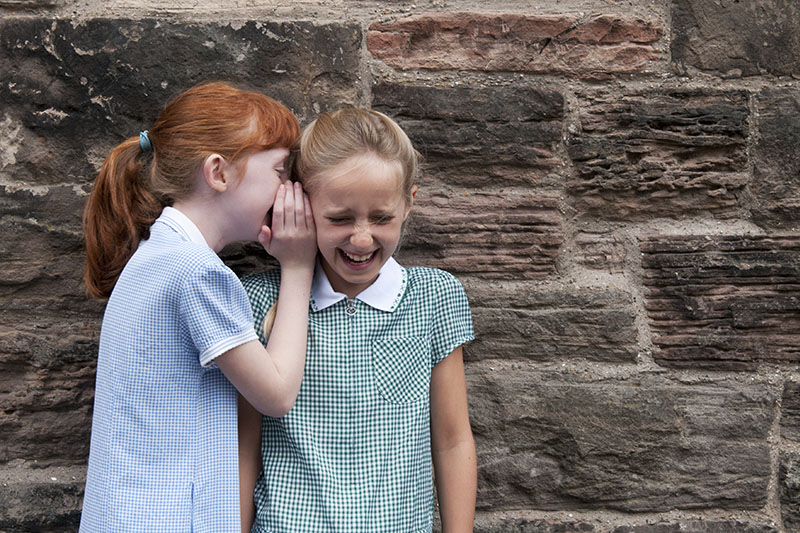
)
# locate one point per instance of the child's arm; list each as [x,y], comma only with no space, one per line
[270,379]
[249,460]
[452,445]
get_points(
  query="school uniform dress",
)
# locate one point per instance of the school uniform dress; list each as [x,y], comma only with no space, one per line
[353,454]
[164,455]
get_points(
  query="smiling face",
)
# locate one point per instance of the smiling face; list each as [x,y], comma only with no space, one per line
[359,209]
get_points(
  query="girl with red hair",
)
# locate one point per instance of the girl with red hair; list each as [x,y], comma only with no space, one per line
[177,339]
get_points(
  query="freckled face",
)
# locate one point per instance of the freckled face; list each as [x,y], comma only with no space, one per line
[359,209]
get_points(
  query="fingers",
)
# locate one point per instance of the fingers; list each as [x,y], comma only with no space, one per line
[278,209]
[299,206]
[289,206]
[309,221]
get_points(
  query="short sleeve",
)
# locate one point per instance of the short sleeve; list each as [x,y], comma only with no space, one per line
[215,311]
[452,321]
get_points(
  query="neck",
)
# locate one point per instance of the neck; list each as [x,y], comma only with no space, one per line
[202,218]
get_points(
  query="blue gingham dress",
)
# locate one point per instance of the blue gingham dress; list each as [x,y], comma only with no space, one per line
[354,453]
[164,455]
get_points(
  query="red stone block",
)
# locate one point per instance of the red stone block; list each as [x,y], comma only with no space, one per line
[599,47]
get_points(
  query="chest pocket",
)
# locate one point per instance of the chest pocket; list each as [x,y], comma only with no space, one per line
[402,368]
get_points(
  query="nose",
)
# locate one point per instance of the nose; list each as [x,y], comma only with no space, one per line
[362,236]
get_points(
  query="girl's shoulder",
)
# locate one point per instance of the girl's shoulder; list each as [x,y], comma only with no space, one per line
[262,283]
[430,277]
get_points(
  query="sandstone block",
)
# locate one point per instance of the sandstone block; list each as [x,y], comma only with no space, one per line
[724,302]
[479,137]
[666,154]
[744,38]
[700,526]
[491,236]
[515,321]
[790,411]
[491,524]
[34,500]
[789,482]
[776,158]
[71,89]
[644,444]
[596,47]
[48,344]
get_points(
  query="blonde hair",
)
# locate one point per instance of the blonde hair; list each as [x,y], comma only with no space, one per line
[335,137]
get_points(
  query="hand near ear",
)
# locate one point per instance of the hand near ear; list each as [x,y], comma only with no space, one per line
[292,238]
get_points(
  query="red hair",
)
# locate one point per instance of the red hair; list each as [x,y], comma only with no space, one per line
[129,193]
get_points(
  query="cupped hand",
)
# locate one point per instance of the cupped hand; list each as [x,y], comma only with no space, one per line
[292,239]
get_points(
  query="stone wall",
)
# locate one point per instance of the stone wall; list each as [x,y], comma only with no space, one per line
[616,183]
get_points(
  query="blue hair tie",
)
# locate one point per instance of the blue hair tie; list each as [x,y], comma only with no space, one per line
[144,141]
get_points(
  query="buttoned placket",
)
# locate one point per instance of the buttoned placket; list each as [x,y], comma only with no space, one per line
[350,310]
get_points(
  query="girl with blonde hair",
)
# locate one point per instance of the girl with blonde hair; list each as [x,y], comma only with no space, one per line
[383,404]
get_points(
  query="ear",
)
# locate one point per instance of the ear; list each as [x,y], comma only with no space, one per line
[215,172]
[410,202]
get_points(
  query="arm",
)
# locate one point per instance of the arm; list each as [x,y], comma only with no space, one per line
[249,460]
[270,379]
[452,445]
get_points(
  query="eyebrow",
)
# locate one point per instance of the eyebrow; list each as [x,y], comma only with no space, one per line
[346,212]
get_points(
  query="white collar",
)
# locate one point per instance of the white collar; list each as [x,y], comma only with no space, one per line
[384,294]
[182,224]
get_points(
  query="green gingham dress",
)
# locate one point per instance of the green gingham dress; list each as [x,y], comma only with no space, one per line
[353,454]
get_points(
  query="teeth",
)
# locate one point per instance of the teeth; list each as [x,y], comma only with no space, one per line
[357,258]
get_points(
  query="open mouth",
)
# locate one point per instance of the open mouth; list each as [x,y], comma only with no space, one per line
[357,260]
[268,219]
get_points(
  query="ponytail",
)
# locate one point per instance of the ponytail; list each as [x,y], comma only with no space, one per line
[118,214]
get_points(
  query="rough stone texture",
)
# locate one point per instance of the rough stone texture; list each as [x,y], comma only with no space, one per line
[69,91]
[554,137]
[514,321]
[790,411]
[660,154]
[737,37]
[479,137]
[513,236]
[551,441]
[724,302]
[600,251]
[48,344]
[484,524]
[595,47]
[698,526]
[28,4]
[56,493]
[789,481]
[776,157]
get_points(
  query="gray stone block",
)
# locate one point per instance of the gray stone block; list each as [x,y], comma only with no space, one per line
[517,322]
[72,89]
[644,444]
[740,38]
[660,153]
[776,158]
